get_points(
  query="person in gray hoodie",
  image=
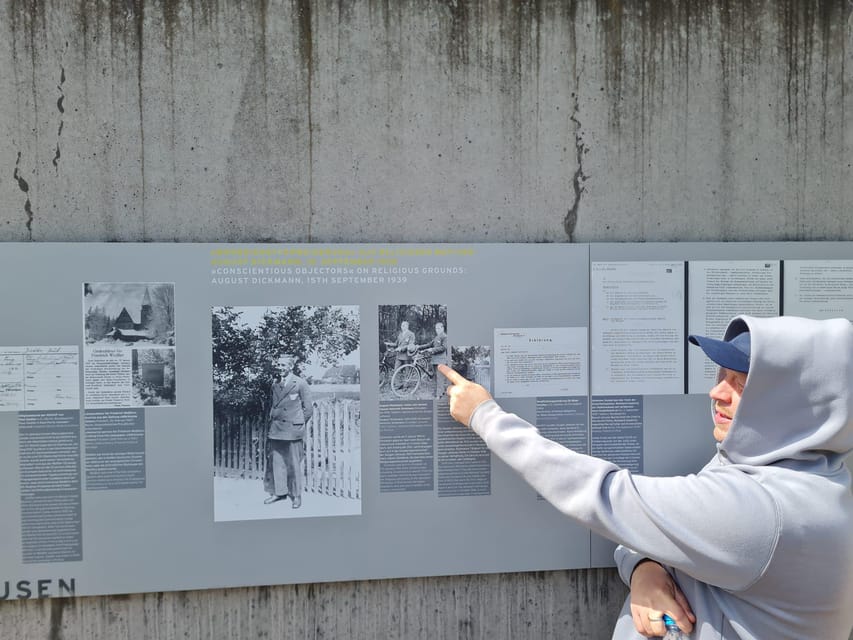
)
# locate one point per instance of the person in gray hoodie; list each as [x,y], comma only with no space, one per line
[758,545]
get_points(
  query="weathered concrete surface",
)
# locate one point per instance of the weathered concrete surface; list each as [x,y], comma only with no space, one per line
[533,606]
[425,120]
[414,120]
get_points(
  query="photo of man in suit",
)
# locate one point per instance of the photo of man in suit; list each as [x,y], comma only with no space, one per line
[404,346]
[290,409]
[437,349]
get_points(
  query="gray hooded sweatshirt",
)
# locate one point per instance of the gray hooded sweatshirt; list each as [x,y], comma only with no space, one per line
[761,539]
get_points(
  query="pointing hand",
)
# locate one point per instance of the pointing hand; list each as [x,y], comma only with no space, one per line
[465,396]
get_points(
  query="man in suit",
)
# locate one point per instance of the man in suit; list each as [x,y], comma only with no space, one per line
[437,349]
[290,410]
[405,346]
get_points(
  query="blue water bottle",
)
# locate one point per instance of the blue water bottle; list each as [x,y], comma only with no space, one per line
[672,630]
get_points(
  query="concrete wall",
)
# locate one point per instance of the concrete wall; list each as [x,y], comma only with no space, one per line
[414,120]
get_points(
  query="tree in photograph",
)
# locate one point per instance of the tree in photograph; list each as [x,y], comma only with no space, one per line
[163,313]
[322,335]
[235,365]
[245,359]
[98,324]
[421,319]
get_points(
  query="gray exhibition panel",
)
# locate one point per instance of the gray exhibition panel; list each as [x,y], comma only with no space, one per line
[165,535]
[135,395]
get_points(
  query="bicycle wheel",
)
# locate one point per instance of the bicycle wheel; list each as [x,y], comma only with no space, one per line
[384,375]
[405,381]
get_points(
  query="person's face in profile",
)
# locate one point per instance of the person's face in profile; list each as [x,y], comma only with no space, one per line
[726,395]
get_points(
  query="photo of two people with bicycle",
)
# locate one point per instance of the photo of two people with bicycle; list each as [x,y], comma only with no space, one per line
[412,343]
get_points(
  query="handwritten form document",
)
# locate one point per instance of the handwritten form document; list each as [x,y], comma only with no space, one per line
[39,378]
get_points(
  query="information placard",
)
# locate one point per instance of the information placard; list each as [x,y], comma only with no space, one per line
[233,415]
[197,416]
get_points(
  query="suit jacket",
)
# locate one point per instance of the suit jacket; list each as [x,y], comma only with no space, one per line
[437,349]
[291,409]
[405,342]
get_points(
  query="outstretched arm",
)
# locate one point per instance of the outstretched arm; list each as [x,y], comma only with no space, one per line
[692,523]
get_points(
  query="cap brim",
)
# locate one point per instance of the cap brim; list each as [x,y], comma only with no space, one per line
[722,353]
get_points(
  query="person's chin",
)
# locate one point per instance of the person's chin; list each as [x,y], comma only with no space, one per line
[720,431]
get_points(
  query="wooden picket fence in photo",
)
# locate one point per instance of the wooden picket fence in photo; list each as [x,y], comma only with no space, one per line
[332,447]
[239,445]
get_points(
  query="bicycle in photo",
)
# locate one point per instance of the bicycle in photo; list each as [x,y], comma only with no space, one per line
[407,378]
[387,359]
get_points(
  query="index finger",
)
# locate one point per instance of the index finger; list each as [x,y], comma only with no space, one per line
[450,374]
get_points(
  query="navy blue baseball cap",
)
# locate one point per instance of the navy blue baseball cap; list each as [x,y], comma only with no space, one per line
[731,354]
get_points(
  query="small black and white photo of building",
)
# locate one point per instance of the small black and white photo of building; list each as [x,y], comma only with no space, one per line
[129,313]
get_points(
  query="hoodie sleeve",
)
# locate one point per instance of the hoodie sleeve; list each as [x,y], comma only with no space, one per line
[626,561]
[719,526]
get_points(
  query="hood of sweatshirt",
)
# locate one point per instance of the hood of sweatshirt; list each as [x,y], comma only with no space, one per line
[797,404]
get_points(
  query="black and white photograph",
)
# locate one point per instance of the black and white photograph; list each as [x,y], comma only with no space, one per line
[153,377]
[286,412]
[140,314]
[412,343]
[474,363]
[129,344]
